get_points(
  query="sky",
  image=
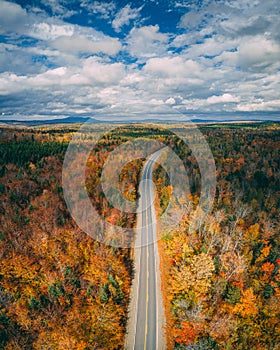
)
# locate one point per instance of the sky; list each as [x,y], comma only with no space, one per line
[121,60]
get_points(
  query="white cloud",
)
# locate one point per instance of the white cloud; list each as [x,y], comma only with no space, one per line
[132,79]
[243,76]
[211,104]
[93,74]
[173,66]
[225,98]
[54,33]
[74,39]
[227,58]
[12,58]
[170,101]
[103,73]
[146,42]
[12,17]
[253,54]
[258,54]
[58,8]
[156,102]
[124,17]
[268,106]
[80,44]
[11,83]
[102,9]
[191,19]
[245,26]
[51,31]
[181,40]
[213,46]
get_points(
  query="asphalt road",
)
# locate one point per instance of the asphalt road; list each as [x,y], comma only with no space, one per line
[147,329]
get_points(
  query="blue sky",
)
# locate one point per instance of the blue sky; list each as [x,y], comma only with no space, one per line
[141,59]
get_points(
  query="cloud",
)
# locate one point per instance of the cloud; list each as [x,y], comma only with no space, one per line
[156,102]
[50,31]
[62,91]
[225,98]
[213,46]
[258,54]
[124,17]
[75,39]
[224,58]
[170,101]
[91,72]
[147,41]
[269,106]
[233,19]
[191,19]
[242,26]
[12,17]
[79,44]
[103,73]
[252,54]
[101,9]
[174,67]
[12,57]
[57,34]
[58,8]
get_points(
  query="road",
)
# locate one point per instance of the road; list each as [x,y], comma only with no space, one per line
[145,329]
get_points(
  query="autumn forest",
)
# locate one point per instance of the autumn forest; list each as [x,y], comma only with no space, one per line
[62,289]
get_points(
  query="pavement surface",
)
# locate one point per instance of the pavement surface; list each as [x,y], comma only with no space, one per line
[145,328]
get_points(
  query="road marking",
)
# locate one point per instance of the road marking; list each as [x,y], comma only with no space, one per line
[147,168]
[153,216]
[149,202]
[147,271]
[144,176]
[139,265]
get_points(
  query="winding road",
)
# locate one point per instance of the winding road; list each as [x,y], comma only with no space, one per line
[146,316]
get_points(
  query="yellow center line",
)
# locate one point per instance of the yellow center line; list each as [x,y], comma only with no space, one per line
[147,264]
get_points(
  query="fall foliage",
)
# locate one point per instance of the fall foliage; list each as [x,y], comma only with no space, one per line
[60,289]
[222,280]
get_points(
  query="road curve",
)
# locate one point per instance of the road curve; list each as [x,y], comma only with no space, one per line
[146,316]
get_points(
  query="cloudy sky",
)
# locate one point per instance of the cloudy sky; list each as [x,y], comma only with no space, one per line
[210,59]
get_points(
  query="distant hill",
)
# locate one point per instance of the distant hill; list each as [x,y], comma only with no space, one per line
[68,120]
[73,120]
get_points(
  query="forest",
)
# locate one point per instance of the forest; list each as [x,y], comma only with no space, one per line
[61,289]
[222,281]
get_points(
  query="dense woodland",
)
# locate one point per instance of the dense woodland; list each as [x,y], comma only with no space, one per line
[222,282]
[60,289]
